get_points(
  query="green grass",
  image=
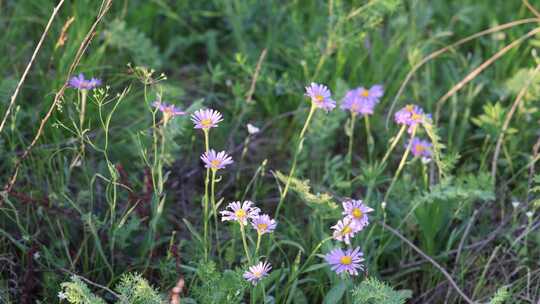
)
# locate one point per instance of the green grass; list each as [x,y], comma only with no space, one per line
[131,205]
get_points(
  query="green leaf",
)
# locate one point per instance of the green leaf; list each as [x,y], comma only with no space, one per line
[336,293]
[373,291]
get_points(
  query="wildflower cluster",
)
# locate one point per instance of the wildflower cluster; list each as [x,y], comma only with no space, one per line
[81,83]
[355,220]
[244,213]
[168,110]
[362,101]
[411,116]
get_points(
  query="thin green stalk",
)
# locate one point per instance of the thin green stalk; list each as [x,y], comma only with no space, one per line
[205,202]
[295,157]
[393,144]
[258,244]
[370,141]
[351,140]
[401,165]
[214,209]
[242,231]
[82,113]
[306,263]
[425,175]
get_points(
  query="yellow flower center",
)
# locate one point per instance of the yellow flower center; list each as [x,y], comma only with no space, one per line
[346,230]
[415,116]
[357,213]
[319,98]
[364,93]
[409,108]
[240,213]
[206,123]
[346,260]
[262,226]
[215,163]
[257,273]
[419,148]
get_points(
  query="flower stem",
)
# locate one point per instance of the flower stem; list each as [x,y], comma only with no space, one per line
[393,144]
[82,114]
[214,208]
[400,167]
[258,243]
[205,202]
[306,263]
[295,158]
[242,231]
[370,142]
[351,140]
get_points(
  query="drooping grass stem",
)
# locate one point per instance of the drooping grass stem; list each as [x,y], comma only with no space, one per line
[295,157]
[393,144]
[401,165]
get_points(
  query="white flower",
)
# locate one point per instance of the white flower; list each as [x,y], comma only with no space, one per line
[252,129]
[37,255]
[529,214]
[515,204]
[62,295]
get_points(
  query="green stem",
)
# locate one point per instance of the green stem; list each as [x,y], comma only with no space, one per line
[393,144]
[401,165]
[295,157]
[258,244]
[242,231]
[214,208]
[82,114]
[351,140]
[205,211]
[370,141]
[306,263]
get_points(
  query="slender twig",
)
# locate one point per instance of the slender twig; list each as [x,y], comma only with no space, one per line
[92,283]
[507,119]
[531,8]
[105,6]
[479,69]
[30,63]
[249,95]
[445,49]
[429,259]
[460,248]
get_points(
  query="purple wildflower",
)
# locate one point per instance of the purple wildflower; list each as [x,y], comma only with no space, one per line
[241,212]
[344,230]
[411,115]
[206,119]
[357,212]
[421,148]
[362,101]
[263,224]
[320,96]
[255,273]
[168,110]
[79,82]
[345,261]
[216,161]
